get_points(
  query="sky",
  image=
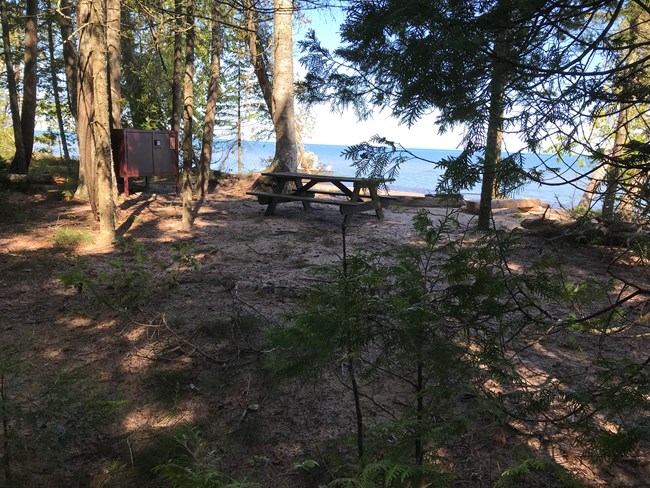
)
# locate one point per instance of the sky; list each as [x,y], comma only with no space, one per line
[346,129]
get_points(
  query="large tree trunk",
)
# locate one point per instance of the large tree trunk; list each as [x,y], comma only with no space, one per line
[494,137]
[85,111]
[101,123]
[177,80]
[70,57]
[28,114]
[19,164]
[113,23]
[54,78]
[286,157]
[211,105]
[188,116]
[256,49]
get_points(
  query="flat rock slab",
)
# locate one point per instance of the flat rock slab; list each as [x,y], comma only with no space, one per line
[427,201]
[523,204]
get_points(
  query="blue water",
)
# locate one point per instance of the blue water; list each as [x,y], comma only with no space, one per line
[414,176]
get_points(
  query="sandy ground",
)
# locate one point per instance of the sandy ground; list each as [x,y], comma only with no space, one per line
[190,353]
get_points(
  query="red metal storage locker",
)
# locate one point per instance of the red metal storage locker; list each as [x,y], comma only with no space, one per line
[145,153]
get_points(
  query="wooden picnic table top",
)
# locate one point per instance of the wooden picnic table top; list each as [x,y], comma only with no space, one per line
[327,178]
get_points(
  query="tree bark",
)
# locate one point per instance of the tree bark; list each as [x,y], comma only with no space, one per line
[283,113]
[114,30]
[101,122]
[188,114]
[18,165]
[70,56]
[57,98]
[592,187]
[613,171]
[85,110]
[494,137]
[256,49]
[30,77]
[211,105]
[177,80]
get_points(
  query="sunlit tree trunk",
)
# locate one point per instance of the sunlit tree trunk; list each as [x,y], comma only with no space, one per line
[283,113]
[211,105]
[188,115]
[114,30]
[591,190]
[101,122]
[19,163]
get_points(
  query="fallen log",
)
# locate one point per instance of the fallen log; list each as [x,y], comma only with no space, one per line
[32,178]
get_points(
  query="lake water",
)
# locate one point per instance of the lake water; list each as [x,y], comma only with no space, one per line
[414,176]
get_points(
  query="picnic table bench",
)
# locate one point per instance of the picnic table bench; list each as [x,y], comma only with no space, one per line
[349,201]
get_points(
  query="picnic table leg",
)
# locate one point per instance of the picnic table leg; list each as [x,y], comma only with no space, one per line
[298,182]
[375,198]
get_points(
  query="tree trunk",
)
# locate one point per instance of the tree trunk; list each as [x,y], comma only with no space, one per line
[256,49]
[211,105]
[85,111]
[19,164]
[592,187]
[28,114]
[188,113]
[284,122]
[114,30]
[493,138]
[101,122]
[177,79]
[57,99]
[70,56]
[613,171]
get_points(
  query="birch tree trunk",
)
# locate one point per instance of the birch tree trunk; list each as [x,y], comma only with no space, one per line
[211,105]
[101,122]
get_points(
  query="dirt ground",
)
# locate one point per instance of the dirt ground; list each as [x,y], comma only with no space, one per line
[184,349]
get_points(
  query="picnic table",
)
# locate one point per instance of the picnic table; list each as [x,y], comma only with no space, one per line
[301,187]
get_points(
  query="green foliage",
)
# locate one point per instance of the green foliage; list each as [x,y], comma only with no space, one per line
[388,474]
[529,471]
[125,286]
[70,238]
[44,414]
[183,260]
[190,463]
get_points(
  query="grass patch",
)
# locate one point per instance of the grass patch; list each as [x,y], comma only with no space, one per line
[69,238]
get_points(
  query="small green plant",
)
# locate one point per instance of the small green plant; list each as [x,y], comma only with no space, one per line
[125,286]
[183,260]
[190,463]
[70,238]
[531,470]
